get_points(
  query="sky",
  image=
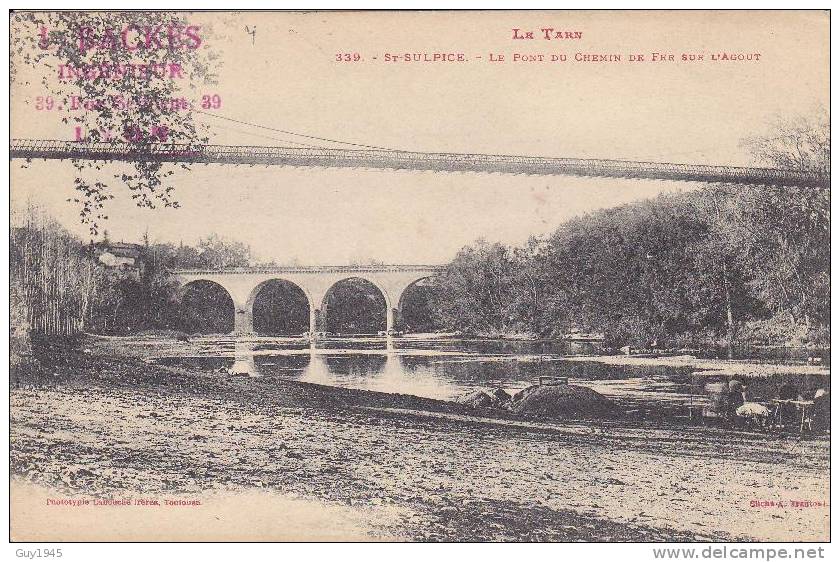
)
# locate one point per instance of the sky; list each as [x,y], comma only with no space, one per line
[284,75]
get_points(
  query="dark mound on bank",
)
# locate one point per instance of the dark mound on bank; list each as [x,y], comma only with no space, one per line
[566,401]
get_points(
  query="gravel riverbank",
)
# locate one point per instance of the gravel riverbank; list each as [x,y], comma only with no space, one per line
[363,465]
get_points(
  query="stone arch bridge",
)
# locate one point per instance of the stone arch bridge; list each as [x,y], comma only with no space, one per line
[244,284]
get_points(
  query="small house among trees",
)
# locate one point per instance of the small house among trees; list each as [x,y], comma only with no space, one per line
[120,255]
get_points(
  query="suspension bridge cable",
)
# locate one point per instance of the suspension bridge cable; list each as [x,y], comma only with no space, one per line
[269,137]
[217,116]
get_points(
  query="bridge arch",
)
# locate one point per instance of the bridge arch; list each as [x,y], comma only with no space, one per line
[304,323]
[328,308]
[216,307]
[244,285]
[401,321]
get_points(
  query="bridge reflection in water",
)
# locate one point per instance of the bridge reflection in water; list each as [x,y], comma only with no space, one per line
[377,366]
[441,369]
[447,368]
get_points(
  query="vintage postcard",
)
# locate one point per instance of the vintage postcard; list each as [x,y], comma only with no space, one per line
[420,276]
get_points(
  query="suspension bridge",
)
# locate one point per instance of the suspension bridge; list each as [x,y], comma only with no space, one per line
[393,159]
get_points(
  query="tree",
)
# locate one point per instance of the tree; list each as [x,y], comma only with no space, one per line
[53,282]
[784,232]
[479,290]
[784,245]
[417,306]
[530,281]
[719,292]
[217,252]
[107,79]
[802,142]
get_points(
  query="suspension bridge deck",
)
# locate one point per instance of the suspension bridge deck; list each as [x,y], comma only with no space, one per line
[405,160]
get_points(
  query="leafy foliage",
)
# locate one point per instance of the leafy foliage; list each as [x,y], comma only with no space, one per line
[684,268]
[104,61]
[802,142]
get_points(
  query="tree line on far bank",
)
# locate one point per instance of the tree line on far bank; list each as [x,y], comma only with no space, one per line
[722,264]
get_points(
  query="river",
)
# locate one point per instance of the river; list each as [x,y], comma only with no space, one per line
[450,368]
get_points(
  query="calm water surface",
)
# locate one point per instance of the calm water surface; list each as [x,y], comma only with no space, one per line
[447,369]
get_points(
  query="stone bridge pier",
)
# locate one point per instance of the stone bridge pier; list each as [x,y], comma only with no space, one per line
[244,284]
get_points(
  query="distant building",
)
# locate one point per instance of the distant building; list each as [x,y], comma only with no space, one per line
[120,255]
